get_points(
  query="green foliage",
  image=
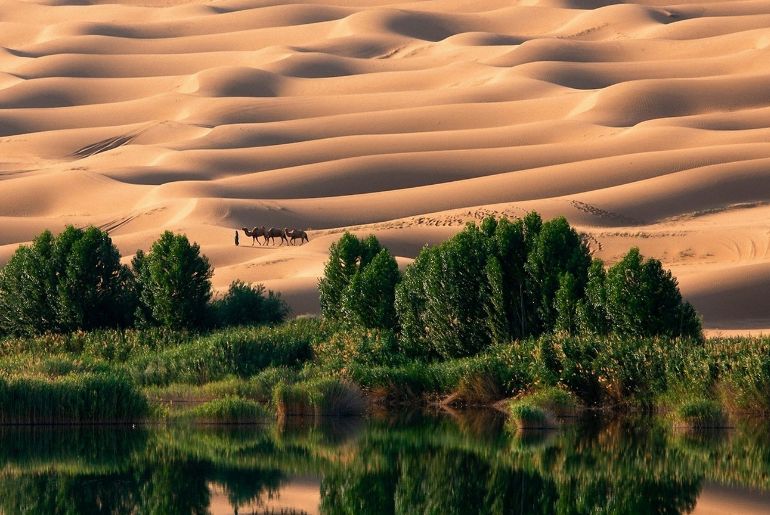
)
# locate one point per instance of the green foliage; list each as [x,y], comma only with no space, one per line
[591,311]
[446,315]
[243,352]
[78,398]
[368,299]
[529,416]
[643,299]
[700,413]
[64,283]
[557,250]
[228,410]
[245,304]
[322,397]
[359,282]
[173,283]
[356,346]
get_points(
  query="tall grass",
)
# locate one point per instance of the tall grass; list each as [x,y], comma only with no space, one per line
[242,352]
[325,397]
[75,398]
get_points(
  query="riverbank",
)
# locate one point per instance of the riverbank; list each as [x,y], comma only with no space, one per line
[306,367]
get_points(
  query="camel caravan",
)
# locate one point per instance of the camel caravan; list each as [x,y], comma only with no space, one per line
[286,235]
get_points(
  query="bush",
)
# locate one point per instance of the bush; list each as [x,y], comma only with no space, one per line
[64,283]
[244,304]
[173,283]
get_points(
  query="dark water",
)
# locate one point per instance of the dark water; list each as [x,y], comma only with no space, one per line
[445,464]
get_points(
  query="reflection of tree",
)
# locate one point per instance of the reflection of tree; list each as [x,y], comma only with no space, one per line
[426,466]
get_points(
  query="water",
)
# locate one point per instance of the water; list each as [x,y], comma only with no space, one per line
[451,463]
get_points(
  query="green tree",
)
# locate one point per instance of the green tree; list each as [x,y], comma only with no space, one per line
[446,312]
[556,250]
[173,283]
[368,299]
[93,288]
[246,304]
[566,303]
[345,258]
[592,309]
[643,299]
[72,281]
[359,282]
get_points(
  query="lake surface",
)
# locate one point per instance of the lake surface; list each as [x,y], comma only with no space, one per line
[449,463]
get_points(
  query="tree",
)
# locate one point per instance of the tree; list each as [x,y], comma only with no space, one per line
[592,309]
[566,303]
[556,250]
[346,256]
[69,282]
[246,304]
[442,306]
[93,288]
[28,289]
[359,282]
[368,299]
[173,283]
[643,299]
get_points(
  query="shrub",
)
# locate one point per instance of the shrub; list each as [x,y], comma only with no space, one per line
[173,283]
[63,283]
[244,304]
[446,313]
[368,347]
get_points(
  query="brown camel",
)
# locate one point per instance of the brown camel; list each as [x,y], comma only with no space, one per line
[274,232]
[294,234]
[255,233]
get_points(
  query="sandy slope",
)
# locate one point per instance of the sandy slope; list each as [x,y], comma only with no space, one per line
[644,123]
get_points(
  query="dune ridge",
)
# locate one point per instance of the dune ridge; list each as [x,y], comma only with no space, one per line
[645,123]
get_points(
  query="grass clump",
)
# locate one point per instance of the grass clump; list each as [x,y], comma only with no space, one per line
[528,416]
[700,414]
[317,398]
[227,410]
[540,409]
[75,398]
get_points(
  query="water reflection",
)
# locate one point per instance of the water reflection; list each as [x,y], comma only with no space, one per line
[443,464]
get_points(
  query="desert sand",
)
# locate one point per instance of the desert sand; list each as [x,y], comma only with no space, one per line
[643,123]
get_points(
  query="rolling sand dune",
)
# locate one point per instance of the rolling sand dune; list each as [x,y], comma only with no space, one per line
[644,123]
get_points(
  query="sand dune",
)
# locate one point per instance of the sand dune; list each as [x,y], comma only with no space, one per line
[645,123]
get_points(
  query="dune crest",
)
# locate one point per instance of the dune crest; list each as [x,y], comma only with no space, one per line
[646,124]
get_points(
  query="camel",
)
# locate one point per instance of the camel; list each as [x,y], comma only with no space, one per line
[293,234]
[255,233]
[274,232]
